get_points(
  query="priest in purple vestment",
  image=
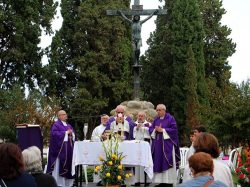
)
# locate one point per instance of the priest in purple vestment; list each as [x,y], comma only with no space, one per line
[61,145]
[120,109]
[165,147]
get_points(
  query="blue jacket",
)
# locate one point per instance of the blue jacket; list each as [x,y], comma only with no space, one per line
[201,181]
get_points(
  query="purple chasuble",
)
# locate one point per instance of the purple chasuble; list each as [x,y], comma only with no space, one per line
[162,149]
[60,149]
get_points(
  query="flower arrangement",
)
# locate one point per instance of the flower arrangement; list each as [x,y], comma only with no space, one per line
[111,171]
[241,175]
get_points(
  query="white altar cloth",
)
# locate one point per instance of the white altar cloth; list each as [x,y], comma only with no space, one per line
[137,153]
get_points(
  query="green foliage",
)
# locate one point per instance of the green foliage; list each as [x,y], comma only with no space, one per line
[192,104]
[42,111]
[20,29]
[11,101]
[228,115]
[157,63]
[111,171]
[186,68]
[217,44]
[90,172]
[178,40]
[89,70]
[187,35]
[90,66]
[16,109]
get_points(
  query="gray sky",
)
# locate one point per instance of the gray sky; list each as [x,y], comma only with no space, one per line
[237,18]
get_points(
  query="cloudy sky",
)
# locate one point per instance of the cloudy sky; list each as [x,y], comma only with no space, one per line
[237,18]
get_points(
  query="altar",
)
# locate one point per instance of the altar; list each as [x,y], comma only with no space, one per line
[137,153]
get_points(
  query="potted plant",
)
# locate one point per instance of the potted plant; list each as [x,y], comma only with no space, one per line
[111,171]
[241,175]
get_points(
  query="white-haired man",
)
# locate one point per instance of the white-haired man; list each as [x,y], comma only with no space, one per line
[165,147]
[120,116]
[98,133]
[141,133]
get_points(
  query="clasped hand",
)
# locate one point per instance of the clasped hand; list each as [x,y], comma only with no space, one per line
[69,131]
[158,129]
[138,126]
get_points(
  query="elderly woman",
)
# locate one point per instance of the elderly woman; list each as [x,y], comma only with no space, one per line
[208,143]
[33,165]
[12,172]
[202,167]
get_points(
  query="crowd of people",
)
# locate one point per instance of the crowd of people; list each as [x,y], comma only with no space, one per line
[24,168]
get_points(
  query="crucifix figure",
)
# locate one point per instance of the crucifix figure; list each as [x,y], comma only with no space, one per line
[136,31]
[136,24]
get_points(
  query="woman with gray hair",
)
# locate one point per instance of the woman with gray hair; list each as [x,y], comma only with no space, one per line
[33,165]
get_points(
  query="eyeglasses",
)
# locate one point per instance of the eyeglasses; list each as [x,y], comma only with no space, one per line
[158,109]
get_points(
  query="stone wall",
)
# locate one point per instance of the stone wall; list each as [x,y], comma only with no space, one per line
[134,106]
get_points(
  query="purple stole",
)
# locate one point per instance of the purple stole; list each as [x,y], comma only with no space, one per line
[162,149]
[60,149]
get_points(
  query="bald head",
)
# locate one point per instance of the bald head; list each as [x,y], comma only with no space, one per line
[62,115]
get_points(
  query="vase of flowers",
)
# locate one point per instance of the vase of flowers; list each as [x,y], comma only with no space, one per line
[241,175]
[111,171]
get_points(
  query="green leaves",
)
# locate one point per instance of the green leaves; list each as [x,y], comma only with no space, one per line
[90,58]
[111,170]
[21,26]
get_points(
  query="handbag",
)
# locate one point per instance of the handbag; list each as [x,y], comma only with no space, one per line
[2,183]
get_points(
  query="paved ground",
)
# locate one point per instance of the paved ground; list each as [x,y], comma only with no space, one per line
[94,185]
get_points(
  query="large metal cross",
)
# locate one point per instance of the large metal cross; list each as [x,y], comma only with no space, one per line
[136,12]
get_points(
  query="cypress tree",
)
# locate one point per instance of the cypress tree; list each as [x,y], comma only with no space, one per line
[178,35]
[192,104]
[92,54]
[217,44]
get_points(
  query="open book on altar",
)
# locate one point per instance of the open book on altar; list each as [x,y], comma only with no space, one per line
[25,125]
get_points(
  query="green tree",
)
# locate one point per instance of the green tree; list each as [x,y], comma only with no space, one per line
[229,113]
[90,65]
[156,75]
[192,104]
[186,31]
[217,44]
[195,23]
[15,108]
[20,29]
[177,40]
[11,101]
